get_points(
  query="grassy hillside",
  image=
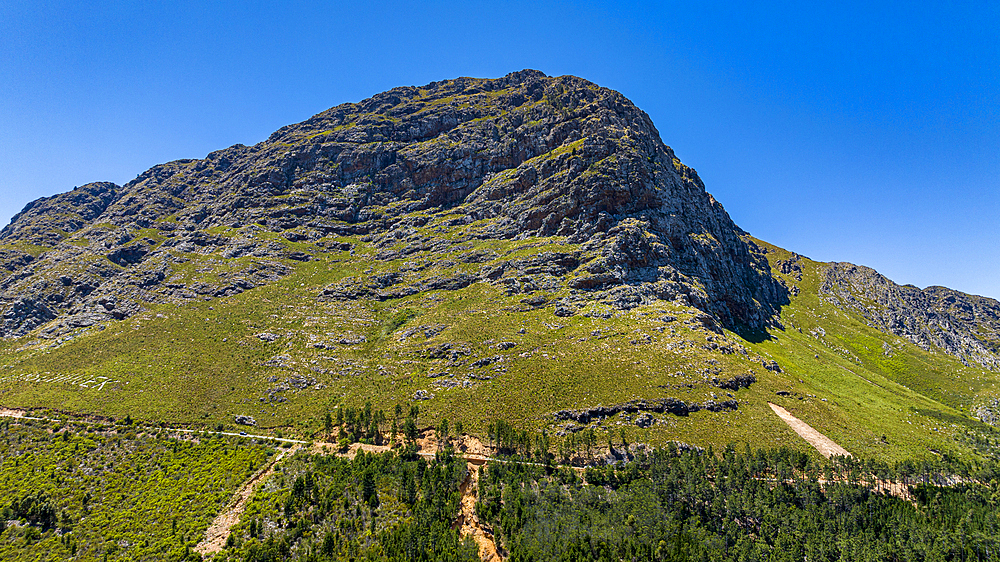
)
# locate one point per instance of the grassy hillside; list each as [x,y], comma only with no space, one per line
[875,384]
[286,355]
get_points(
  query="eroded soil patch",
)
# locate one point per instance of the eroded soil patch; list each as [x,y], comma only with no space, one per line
[468,522]
[826,446]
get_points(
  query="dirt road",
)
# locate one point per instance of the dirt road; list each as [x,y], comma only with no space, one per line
[218,531]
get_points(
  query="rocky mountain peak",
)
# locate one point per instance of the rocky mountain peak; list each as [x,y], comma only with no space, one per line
[521,156]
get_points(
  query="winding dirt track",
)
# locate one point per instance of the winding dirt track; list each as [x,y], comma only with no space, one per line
[218,531]
[826,446]
[467,523]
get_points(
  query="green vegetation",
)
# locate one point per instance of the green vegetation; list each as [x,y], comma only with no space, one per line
[876,384]
[374,507]
[393,315]
[98,492]
[122,493]
[33,250]
[740,506]
[397,320]
[482,353]
[563,352]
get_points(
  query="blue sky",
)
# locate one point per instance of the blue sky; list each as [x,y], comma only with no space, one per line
[853,131]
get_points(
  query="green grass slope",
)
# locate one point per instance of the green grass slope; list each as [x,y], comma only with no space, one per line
[286,356]
[884,396]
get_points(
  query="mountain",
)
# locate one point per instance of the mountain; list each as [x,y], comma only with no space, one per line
[524,248]
[522,156]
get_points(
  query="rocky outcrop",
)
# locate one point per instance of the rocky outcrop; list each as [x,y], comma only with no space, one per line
[521,156]
[965,326]
[988,412]
[46,221]
[735,383]
[661,406]
[245,420]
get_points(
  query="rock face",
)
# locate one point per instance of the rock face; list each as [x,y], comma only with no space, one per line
[525,155]
[988,412]
[965,326]
[46,221]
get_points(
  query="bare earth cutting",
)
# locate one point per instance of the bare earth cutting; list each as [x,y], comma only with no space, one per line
[468,522]
[826,446]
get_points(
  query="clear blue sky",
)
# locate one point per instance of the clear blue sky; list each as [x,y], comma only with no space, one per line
[856,131]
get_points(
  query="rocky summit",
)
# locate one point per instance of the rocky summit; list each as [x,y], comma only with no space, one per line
[522,156]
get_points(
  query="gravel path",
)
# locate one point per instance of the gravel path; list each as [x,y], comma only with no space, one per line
[218,531]
[826,446]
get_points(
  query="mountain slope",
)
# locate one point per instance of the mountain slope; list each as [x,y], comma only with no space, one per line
[524,248]
[966,326]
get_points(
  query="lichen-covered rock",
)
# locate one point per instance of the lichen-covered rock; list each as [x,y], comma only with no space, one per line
[45,221]
[672,406]
[735,383]
[988,412]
